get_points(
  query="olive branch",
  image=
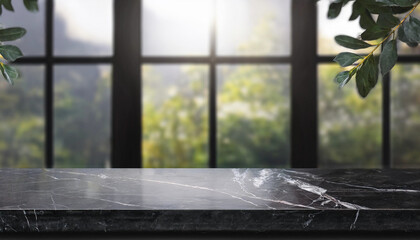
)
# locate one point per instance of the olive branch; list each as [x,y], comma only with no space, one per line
[387,24]
[9,53]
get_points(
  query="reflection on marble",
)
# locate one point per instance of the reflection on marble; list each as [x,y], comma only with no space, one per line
[208,200]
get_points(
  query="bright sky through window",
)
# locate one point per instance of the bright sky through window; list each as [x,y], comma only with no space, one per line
[79,12]
[180,27]
[198,12]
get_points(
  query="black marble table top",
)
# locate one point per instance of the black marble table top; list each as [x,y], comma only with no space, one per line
[208,200]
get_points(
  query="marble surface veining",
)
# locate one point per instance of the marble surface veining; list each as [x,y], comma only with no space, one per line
[208,199]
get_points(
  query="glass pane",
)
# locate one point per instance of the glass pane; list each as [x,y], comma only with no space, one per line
[349,127]
[405,102]
[175,116]
[328,29]
[22,120]
[33,43]
[253,116]
[82,119]
[83,27]
[253,27]
[180,27]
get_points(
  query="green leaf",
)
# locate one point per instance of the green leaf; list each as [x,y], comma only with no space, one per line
[403,38]
[9,73]
[334,10]
[10,52]
[387,20]
[357,9]
[7,4]
[388,57]
[400,10]
[366,19]
[31,5]
[376,8]
[367,76]
[398,3]
[350,42]
[412,30]
[344,77]
[374,32]
[346,58]
[11,34]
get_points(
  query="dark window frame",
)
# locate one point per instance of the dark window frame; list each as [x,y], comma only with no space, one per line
[127,84]
[303,99]
[49,60]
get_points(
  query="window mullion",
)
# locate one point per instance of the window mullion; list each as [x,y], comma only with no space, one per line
[49,85]
[213,93]
[126,86]
[304,85]
[386,121]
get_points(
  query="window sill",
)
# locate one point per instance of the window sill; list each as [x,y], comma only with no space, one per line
[208,200]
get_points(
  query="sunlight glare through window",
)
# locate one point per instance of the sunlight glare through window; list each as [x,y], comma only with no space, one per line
[179,27]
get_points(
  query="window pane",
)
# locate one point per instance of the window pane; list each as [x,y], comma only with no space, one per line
[180,27]
[328,29]
[253,27]
[349,126]
[82,115]
[175,115]
[253,116]
[33,43]
[405,99]
[22,119]
[83,27]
